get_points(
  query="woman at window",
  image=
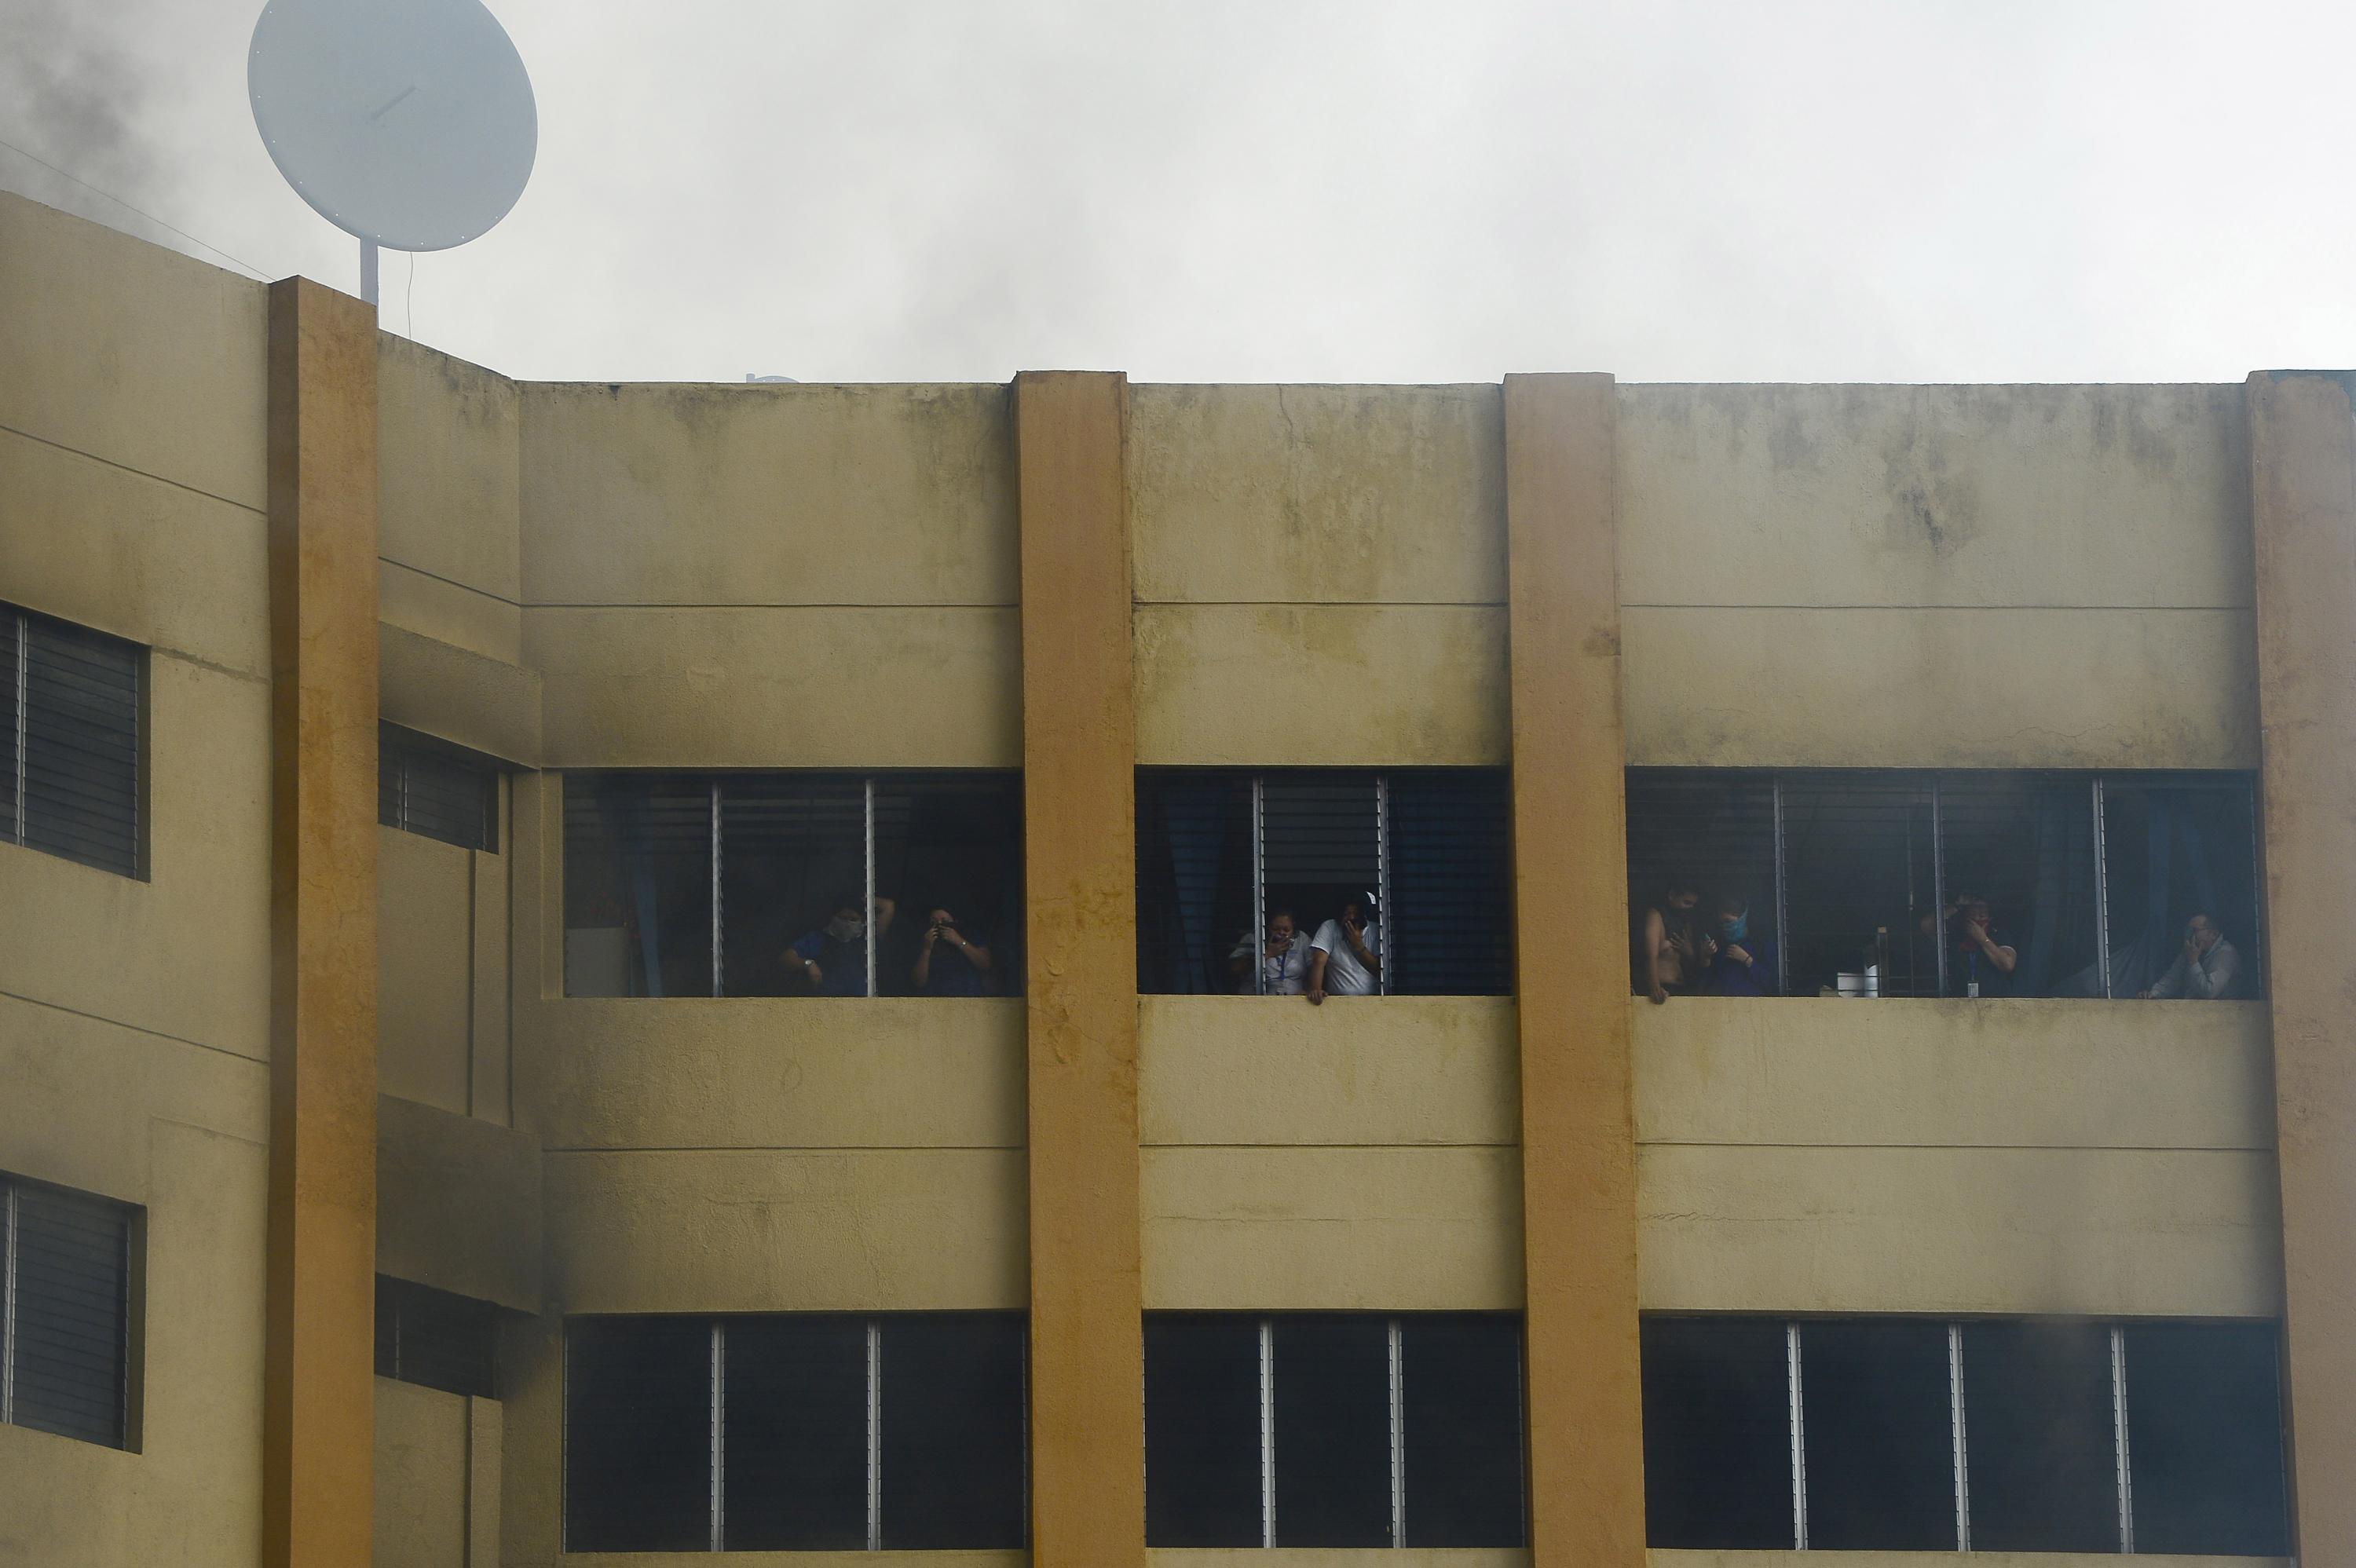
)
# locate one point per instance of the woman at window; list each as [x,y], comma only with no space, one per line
[1283,959]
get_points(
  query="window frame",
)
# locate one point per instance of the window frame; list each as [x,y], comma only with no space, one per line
[17,624]
[2246,782]
[130,1359]
[2122,1464]
[876,1325]
[1385,817]
[396,745]
[1398,1330]
[713,783]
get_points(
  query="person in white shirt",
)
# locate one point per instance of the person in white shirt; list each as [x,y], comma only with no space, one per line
[1346,956]
[2207,970]
[1283,959]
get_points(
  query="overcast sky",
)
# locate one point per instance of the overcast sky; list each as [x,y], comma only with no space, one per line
[1259,191]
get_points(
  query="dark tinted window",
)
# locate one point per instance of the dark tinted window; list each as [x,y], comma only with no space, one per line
[1321,842]
[1193,877]
[796,1420]
[954,1457]
[637,1435]
[950,844]
[1460,1408]
[70,1314]
[427,787]
[2174,849]
[1857,880]
[2037,1404]
[72,787]
[1332,1431]
[1880,1445]
[1452,880]
[2024,843]
[1202,1430]
[432,1338]
[1715,829]
[637,885]
[792,846]
[1717,1456]
[2204,1437]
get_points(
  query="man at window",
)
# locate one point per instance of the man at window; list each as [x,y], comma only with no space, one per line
[833,960]
[1983,962]
[2207,969]
[949,962]
[1671,950]
[1346,956]
[1740,965]
[1283,957]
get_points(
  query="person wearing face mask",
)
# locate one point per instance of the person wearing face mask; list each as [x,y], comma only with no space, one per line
[833,959]
[1740,965]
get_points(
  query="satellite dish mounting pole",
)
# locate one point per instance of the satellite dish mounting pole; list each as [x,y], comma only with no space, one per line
[368,270]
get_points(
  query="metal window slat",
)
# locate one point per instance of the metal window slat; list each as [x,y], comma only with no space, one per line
[69,1348]
[74,762]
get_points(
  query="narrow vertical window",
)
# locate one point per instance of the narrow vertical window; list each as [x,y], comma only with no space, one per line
[70,702]
[1861,884]
[436,790]
[1709,835]
[793,875]
[1449,916]
[950,844]
[637,885]
[1880,1462]
[2039,1393]
[2018,850]
[953,1454]
[2204,1415]
[1332,1430]
[2174,849]
[795,1434]
[66,1304]
[1202,1430]
[1717,1442]
[1460,1413]
[637,1435]
[1194,879]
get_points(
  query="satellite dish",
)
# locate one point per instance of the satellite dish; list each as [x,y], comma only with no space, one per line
[409,123]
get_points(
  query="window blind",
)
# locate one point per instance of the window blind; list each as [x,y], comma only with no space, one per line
[436,790]
[69,740]
[65,1313]
[436,1338]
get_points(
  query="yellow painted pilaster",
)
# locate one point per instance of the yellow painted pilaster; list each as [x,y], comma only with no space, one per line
[1579,1156]
[2303,516]
[1087,1381]
[319,1439]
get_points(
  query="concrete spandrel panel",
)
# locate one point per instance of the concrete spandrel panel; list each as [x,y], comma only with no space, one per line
[1274,1070]
[133,354]
[727,494]
[1317,493]
[1961,688]
[425,906]
[2129,497]
[449,456]
[133,556]
[1407,1230]
[2041,1072]
[1321,685]
[791,687]
[773,1072]
[773,1231]
[2093,1233]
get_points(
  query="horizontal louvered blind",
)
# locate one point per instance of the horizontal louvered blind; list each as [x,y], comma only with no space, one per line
[1450,920]
[65,1339]
[436,790]
[70,712]
[436,1338]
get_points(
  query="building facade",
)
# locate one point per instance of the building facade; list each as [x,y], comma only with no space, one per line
[485,1077]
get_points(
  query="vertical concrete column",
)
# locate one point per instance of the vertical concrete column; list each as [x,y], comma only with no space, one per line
[1080,753]
[318,1436]
[2303,514]
[1570,850]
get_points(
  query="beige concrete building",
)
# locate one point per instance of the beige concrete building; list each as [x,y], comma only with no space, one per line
[674,1214]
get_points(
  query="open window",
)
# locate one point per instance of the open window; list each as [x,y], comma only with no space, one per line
[792,884]
[1224,856]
